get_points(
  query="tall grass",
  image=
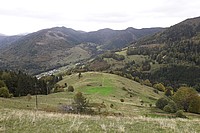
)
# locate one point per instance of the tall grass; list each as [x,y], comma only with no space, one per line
[25,121]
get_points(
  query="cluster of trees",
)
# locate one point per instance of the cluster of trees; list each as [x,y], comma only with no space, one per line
[113,55]
[185,98]
[21,84]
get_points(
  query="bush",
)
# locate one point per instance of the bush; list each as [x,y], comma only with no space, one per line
[194,106]
[137,79]
[4,92]
[122,100]
[2,83]
[81,103]
[60,90]
[65,84]
[29,97]
[147,83]
[170,107]
[159,87]
[123,88]
[70,89]
[111,105]
[162,102]
[168,92]
[167,108]
[180,114]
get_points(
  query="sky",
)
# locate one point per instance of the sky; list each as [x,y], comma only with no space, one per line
[26,16]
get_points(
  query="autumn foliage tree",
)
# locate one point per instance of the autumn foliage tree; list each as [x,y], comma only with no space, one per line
[159,87]
[187,99]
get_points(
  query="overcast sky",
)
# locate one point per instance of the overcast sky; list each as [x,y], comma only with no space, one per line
[25,16]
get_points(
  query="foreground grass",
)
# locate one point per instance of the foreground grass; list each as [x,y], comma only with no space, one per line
[25,121]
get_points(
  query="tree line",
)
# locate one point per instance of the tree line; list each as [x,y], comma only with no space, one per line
[22,84]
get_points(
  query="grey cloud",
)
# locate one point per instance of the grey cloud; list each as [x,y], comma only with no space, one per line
[109,17]
[31,14]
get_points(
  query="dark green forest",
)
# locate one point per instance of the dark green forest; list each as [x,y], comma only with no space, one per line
[22,84]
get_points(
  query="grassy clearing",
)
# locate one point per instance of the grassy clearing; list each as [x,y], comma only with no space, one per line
[128,58]
[99,90]
[37,121]
[120,64]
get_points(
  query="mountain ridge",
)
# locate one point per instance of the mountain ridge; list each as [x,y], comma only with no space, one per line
[58,46]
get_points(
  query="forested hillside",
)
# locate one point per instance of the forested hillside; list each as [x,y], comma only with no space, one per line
[59,46]
[177,50]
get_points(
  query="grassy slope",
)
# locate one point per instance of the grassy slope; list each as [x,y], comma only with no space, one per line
[99,87]
[19,115]
[24,121]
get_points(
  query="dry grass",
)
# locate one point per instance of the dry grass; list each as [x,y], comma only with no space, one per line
[25,121]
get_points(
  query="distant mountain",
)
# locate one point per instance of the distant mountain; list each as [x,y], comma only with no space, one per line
[115,39]
[2,36]
[58,46]
[188,29]
[6,41]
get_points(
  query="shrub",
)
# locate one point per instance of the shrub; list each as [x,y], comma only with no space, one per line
[65,84]
[58,88]
[159,87]
[170,107]
[167,108]
[137,79]
[70,89]
[147,83]
[168,92]
[180,114]
[111,105]
[2,83]
[194,106]
[11,95]
[162,102]
[142,102]
[123,88]
[80,103]
[122,100]
[69,72]
[79,75]
[29,97]
[4,92]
